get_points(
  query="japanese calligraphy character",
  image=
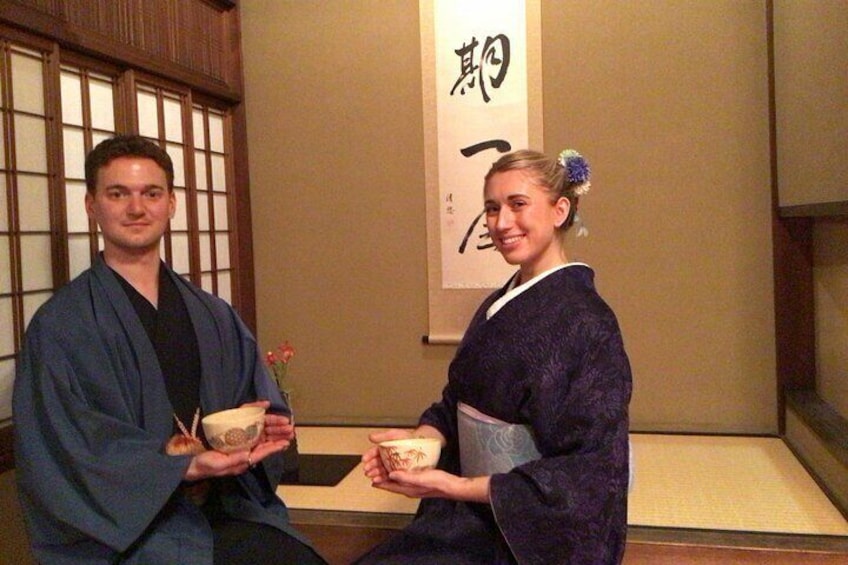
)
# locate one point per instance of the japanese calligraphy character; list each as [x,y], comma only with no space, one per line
[495,56]
[501,146]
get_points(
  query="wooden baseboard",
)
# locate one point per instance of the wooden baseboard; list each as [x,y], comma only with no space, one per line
[818,435]
[742,540]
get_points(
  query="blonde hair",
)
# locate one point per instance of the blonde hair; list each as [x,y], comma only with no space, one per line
[549,173]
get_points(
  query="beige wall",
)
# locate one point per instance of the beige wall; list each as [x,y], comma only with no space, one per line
[669,101]
[811,83]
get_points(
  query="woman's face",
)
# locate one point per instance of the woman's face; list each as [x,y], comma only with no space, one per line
[523,222]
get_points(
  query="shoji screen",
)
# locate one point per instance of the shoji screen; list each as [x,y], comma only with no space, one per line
[213,197]
[26,259]
[73,73]
[160,117]
[88,117]
[51,115]
[194,135]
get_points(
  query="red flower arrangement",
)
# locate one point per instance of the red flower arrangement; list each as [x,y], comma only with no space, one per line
[278,362]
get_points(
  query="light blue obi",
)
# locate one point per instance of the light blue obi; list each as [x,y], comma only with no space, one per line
[488,445]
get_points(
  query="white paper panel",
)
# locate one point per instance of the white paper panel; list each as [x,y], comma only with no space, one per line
[225,290]
[33,203]
[180,220]
[206,280]
[79,256]
[28,84]
[102,98]
[74,153]
[97,137]
[222,250]
[205,243]
[200,170]
[176,153]
[32,302]
[37,267]
[7,378]
[7,338]
[203,210]
[219,175]
[173,120]
[216,132]
[5,269]
[4,211]
[199,132]
[148,114]
[220,204]
[179,253]
[2,141]
[71,98]
[75,207]
[31,147]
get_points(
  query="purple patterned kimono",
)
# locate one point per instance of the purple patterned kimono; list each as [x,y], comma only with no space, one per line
[551,358]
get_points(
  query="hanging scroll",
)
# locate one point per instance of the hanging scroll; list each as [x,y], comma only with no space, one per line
[482,98]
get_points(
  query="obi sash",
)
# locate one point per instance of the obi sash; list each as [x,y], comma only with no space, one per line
[488,445]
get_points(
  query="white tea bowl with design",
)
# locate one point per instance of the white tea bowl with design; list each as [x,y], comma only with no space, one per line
[236,429]
[411,454]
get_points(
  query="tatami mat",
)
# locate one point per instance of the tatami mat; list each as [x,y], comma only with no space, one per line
[354,492]
[751,484]
[727,483]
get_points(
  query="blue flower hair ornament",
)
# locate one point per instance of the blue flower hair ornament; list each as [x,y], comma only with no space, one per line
[577,170]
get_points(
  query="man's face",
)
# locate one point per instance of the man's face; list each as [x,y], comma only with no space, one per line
[132,205]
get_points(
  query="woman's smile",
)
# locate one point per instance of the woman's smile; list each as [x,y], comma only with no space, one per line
[522,221]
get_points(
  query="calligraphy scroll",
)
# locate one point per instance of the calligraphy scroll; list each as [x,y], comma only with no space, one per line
[481,70]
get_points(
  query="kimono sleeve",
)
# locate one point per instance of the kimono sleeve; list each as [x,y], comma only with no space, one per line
[84,471]
[571,505]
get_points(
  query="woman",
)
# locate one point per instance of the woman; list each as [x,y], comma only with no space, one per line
[540,381]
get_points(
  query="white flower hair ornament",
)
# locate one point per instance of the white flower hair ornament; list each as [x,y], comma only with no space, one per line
[577,170]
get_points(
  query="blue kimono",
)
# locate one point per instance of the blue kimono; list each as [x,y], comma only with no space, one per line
[552,358]
[92,416]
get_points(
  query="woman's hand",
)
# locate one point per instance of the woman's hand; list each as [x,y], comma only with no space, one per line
[418,484]
[373,465]
[371,462]
[433,483]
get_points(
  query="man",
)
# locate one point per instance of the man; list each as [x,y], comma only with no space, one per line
[115,365]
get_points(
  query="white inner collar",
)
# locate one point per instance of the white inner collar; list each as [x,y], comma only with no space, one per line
[513,290]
